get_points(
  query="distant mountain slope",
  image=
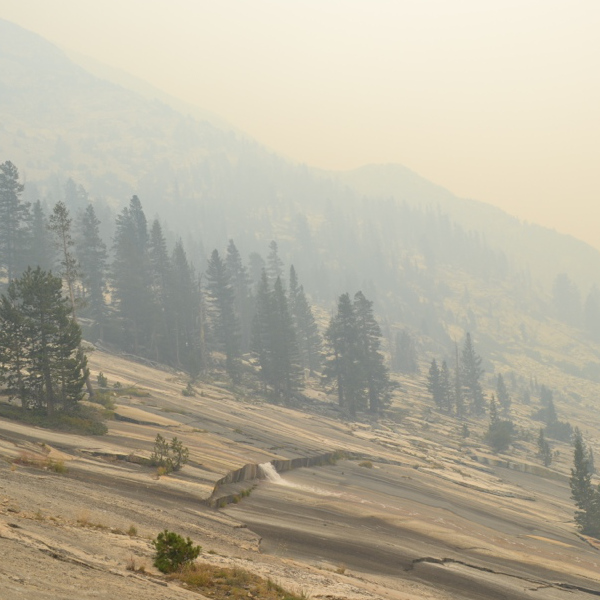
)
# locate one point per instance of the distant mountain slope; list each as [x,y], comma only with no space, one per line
[544,251]
[57,121]
[433,263]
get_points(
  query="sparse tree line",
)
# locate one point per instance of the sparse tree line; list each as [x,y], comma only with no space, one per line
[458,390]
[153,303]
[571,309]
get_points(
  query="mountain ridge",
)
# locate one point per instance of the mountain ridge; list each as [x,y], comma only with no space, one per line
[60,121]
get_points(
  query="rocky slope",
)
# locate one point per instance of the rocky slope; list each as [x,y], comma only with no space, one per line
[417,511]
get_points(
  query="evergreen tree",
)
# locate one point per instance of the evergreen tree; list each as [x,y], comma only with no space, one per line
[405,354]
[471,373]
[457,391]
[591,314]
[92,256]
[502,395]
[274,263]
[286,373]
[42,252]
[343,369]
[586,498]
[41,360]
[445,388]
[243,301]
[377,380]
[256,265]
[60,225]
[13,344]
[76,197]
[307,332]
[131,278]
[546,395]
[224,321]
[185,309]
[274,340]
[433,383]
[162,344]
[261,339]
[544,451]
[14,223]
[567,300]
[500,432]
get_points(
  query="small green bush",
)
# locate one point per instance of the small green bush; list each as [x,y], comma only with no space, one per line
[171,457]
[189,390]
[173,551]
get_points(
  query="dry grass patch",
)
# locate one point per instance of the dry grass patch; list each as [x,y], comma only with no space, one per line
[28,459]
[224,583]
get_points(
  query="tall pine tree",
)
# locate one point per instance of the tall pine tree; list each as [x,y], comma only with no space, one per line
[471,373]
[225,324]
[14,223]
[131,278]
[92,257]
[378,384]
[343,369]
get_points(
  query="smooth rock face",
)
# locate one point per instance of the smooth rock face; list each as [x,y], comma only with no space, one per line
[423,517]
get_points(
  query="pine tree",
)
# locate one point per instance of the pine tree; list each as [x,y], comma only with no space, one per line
[377,380]
[13,345]
[433,383]
[60,225]
[307,332]
[14,223]
[274,263]
[286,373]
[261,338]
[92,257]
[502,395]
[405,354]
[131,278]
[185,308]
[586,498]
[224,321]
[446,388]
[48,370]
[243,301]
[591,314]
[567,300]
[457,388]
[42,252]
[256,265]
[343,369]
[162,344]
[500,432]
[544,451]
[471,373]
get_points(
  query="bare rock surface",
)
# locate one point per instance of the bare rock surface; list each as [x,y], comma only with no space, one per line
[418,512]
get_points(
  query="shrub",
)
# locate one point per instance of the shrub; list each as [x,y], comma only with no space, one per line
[189,390]
[169,457]
[500,435]
[173,551]
[102,380]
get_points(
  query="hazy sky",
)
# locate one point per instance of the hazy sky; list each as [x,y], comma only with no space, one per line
[497,100]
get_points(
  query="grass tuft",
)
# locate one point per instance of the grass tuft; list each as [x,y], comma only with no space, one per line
[221,583]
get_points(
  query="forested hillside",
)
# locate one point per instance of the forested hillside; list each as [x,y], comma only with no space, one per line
[154,193]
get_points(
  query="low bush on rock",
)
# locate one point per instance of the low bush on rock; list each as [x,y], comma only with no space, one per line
[173,551]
